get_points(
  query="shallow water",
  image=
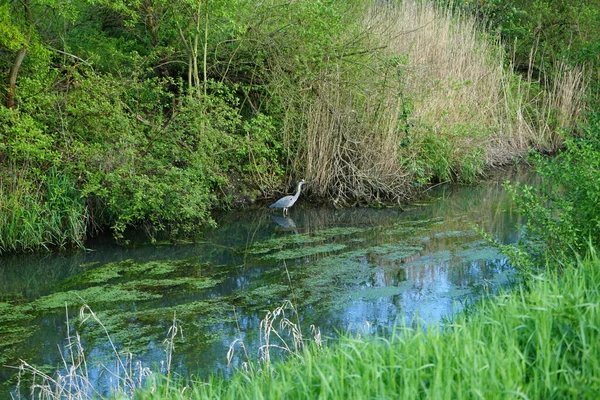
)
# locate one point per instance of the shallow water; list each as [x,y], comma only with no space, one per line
[357,270]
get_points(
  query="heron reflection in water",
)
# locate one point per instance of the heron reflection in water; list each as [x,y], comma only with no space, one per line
[288,201]
[284,222]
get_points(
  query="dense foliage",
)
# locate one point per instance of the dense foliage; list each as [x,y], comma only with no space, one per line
[563,31]
[563,210]
[151,114]
[120,114]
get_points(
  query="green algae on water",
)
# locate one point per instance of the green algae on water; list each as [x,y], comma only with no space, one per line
[270,245]
[127,270]
[305,251]
[93,296]
[154,285]
[340,231]
[16,325]
[450,234]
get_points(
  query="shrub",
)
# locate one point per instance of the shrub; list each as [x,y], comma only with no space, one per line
[563,211]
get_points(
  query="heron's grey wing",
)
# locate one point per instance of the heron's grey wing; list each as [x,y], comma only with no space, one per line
[282,203]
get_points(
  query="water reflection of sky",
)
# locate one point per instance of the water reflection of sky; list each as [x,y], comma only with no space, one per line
[354,270]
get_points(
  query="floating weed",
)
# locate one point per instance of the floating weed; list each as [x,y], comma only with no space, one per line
[479,253]
[329,277]
[100,274]
[419,222]
[140,330]
[306,251]
[400,256]
[129,328]
[340,231]
[153,285]
[128,269]
[94,295]
[379,250]
[15,327]
[406,231]
[157,268]
[421,239]
[89,265]
[194,308]
[11,337]
[357,240]
[391,253]
[10,313]
[385,254]
[447,234]
[440,257]
[262,294]
[270,245]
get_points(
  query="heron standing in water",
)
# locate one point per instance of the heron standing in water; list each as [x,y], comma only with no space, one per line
[288,201]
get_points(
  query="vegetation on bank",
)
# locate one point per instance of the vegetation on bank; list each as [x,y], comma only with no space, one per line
[563,210]
[151,114]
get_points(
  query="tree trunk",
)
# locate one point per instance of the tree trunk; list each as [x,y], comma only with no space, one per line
[12,78]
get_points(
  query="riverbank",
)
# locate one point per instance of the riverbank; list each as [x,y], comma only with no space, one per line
[538,341]
[369,102]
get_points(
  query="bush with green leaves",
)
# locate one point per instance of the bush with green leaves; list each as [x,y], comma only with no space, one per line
[563,211]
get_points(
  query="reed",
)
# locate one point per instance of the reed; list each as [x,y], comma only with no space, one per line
[77,378]
[562,105]
[429,98]
[278,334]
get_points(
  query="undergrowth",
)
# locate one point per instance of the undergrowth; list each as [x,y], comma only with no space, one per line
[367,101]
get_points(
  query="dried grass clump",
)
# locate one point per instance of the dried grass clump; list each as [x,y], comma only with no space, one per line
[429,99]
[352,144]
[455,77]
[78,379]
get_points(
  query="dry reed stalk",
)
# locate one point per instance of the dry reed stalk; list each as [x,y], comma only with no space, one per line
[352,144]
[457,78]
[431,97]
[562,104]
[73,380]
[268,328]
[277,332]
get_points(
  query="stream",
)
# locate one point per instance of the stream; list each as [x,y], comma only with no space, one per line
[356,270]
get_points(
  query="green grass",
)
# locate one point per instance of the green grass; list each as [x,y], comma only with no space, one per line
[539,342]
[50,214]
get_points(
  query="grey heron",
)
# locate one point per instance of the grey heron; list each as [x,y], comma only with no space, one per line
[288,201]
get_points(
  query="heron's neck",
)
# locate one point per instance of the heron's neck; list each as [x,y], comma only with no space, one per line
[298,191]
